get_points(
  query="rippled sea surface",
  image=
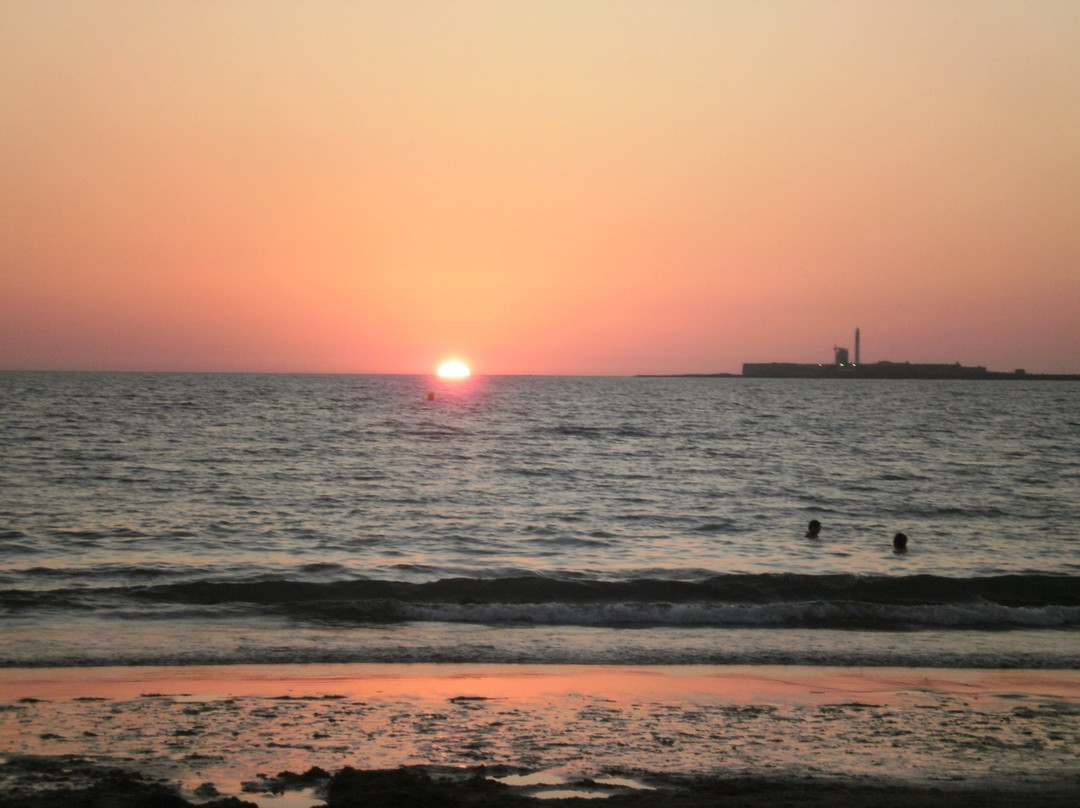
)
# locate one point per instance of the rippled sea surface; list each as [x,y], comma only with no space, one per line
[382,518]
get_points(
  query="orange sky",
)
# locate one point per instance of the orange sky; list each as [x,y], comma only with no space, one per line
[538,186]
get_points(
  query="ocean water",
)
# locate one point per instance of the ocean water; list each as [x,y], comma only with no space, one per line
[154,519]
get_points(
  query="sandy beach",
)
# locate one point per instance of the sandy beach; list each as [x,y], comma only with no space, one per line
[479,734]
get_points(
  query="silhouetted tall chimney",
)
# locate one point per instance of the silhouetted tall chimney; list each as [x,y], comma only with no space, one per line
[856,346]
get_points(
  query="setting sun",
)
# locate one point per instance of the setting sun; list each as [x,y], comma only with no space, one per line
[453,369]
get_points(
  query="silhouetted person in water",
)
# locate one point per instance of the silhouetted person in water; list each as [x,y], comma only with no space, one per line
[813,529]
[899,543]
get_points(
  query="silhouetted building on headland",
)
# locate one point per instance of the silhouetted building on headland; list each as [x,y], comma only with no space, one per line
[842,368]
[878,370]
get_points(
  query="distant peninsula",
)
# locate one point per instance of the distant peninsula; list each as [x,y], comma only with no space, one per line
[842,368]
[876,370]
[892,370]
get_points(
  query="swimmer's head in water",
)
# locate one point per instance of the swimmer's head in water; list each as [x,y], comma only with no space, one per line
[899,542]
[813,529]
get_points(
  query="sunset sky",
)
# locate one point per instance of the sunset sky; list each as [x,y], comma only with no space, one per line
[537,186]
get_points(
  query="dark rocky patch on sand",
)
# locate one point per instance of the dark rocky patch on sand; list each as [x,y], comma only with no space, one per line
[52,782]
[46,782]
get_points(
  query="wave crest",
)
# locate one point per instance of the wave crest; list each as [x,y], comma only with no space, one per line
[723,600]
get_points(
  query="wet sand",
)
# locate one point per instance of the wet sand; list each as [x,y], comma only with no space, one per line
[477,735]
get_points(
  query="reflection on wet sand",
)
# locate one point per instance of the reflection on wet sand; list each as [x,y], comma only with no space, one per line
[224,725]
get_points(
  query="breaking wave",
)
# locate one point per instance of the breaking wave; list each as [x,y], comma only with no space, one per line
[826,601]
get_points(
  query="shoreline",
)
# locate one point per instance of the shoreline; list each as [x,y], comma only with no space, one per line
[754,733]
[806,684]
